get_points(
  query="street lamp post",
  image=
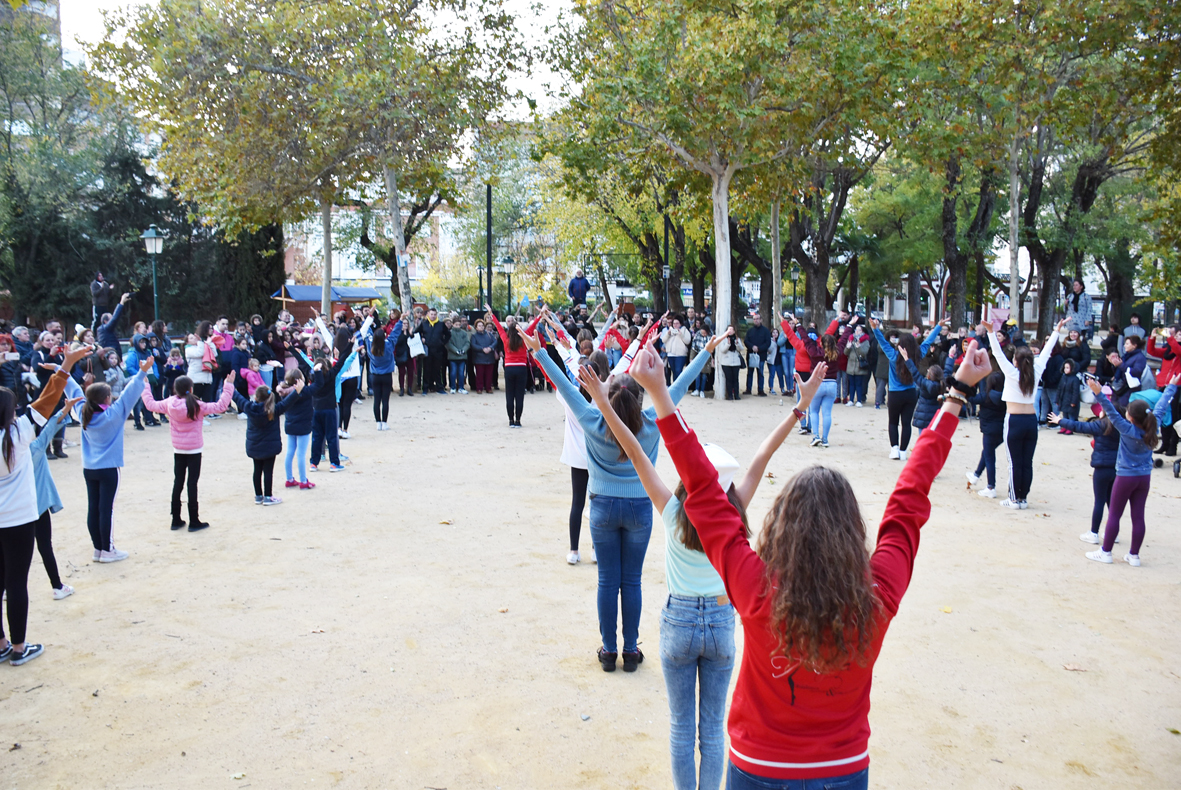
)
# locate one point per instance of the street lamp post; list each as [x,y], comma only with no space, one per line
[795,278]
[667,272]
[509,265]
[154,243]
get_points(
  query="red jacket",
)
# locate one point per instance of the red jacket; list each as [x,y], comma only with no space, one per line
[521,355]
[785,721]
[809,353]
[1169,367]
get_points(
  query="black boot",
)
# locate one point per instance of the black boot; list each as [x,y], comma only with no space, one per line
[57,448]
[195,522]
[177,523]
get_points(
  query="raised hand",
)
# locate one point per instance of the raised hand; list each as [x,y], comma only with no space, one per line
[714,342]
[902,351]
[70,404]
[149,363]
[123,300]
[1053,419]
[975,365]
[1061,324]
[233,374]
[647,369]
[874,323]
[590,382]
[531,341]
[1176,380]
[74,356]
[1094,385]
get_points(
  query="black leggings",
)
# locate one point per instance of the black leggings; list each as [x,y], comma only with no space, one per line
[16,555]
[730,372]
[264,476]
[101,487]
[202,391]
[900,407]
[578,480]
[1101,481]
[1021,441]
[515,377]
[183,463]
[45,546]
[383,385]
[348,394]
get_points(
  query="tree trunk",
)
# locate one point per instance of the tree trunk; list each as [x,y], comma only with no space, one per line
[957,264]
[402,269]
[776,268]
[978,310]
[326,279]
[914,296]
[723,286]
[677,276]
[697,277]
[816,286]
[1014,240]
[602,285]
[854,275]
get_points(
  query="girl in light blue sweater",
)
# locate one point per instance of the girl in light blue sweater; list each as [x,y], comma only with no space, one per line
[620,512]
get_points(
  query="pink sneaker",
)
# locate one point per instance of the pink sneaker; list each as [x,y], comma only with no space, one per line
[292,484]
[306,486]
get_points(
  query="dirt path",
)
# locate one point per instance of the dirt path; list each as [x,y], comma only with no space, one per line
[354,636]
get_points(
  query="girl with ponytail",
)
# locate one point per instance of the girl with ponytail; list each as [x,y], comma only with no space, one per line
[186,419]
[620,512]
[263,439]
[19,512]
[1139,434]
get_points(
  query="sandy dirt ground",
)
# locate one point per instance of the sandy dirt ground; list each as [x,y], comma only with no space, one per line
[412,623]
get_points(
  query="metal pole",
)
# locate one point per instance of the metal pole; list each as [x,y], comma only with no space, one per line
[488,219]
[155,293]
[667,267]
[510,292]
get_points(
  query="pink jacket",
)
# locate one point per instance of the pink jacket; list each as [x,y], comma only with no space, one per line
[186,434]
[253,380]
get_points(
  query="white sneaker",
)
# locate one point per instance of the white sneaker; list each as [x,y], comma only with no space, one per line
[593,558]
[973,478]
[902,455]
[242,416]
[343,435]
[462,391]
[894,452]
[1090,537]
[987,492]
[1012,504]
[859,404]
[849,404]
[1022,504]
[572,558]
[97,554]
[1099,555]
[112,556]
[65,591]
[205,421]
[271,500]
[1132,559]
[815,441]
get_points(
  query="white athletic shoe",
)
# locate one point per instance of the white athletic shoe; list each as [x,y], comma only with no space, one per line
[242,416]
[1099,555]
[1012,504]
[462,391]
[973,478]
[815,441]
[902,455]
[1132,559]
[572,558]
[1022,504]
[65,591]
[987,492]
[112,556]
[849,404]
[1090,537]
[593,559]
[894,452]
[343,435]
[859,404]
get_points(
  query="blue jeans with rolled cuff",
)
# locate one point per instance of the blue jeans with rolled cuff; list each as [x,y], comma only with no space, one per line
[620,528]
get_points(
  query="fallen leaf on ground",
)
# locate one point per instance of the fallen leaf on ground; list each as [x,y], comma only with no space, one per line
[947,609]
[1073,668]
[446,521]
[1174,730]
[502,610]
[238,776]
[317,630]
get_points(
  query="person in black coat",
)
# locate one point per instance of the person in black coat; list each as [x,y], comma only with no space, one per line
[1068,394]
[992,411]
[435,334]
[263,439]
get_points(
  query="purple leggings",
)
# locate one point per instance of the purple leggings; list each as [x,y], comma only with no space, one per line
[1125,490]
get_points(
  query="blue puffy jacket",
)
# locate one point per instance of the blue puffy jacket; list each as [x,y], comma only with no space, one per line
[262,433]
[1134,458]
[991,411]
[1105,446]
[928,403]
[299,413]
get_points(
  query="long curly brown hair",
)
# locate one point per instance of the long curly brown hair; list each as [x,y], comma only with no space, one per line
[824,610]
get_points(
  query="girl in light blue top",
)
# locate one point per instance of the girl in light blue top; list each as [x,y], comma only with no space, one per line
[697,622]
[620,514]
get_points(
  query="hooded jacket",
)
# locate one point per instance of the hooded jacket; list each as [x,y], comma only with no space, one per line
[187,436]
[263,439]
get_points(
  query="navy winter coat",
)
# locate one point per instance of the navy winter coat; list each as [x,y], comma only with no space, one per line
[991,411]
[262,434]
[299,413]
[1068,392]
[928,403]
[1104,448]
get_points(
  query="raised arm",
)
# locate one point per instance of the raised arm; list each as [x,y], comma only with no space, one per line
[994,342]
[934,333]
[656,489]
[832,328]
[578,406]
[1164,402]
[793,338]
[1048,347]
[758,463]
[151,404]
[884,345]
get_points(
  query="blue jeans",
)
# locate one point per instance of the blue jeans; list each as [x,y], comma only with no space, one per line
[738,779]
[324,423]
[703,380]
[297,446]
[754,363]
[697,648]
[458,372]
[613,356]
[788,360]
[620,528]
[775,370]
[1047,401]
[677,364]
[857,386]
[822,407]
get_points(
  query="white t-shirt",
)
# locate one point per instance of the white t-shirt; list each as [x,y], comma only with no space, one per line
[1012,392]
[18,488]
[573,439]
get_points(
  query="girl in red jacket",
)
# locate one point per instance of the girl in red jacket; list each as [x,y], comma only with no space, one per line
[815,605]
